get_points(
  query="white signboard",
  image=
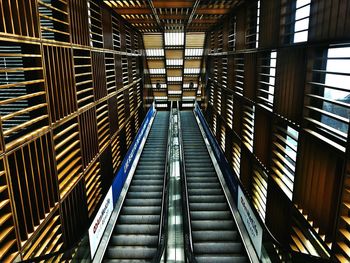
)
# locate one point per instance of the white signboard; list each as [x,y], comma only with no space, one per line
[250,221]
[99,224]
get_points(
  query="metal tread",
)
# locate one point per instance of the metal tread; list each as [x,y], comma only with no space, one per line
[135,235]
[214,232]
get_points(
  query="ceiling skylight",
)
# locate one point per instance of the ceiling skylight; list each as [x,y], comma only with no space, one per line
[155,52]
[157,71]
[193,52]
[174,39]
[174,62]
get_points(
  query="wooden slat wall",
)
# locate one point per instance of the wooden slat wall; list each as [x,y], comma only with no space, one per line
[269,17]
[66,73]
[305,187]
[79,18]
[18,14]
[262,140]
[317,187]
[290,82]
[60,82]
[329,20]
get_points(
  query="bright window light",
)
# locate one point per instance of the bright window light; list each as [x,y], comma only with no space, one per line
[174,79]
[157,71]
[272,75]
[160,97]
[188,105]
[174,39]
[174,92]
[257,25]
[162,105]
[156,52]
[301,24]
[174,62]
[189,98]
[192,70]
[194,52]
[337,80]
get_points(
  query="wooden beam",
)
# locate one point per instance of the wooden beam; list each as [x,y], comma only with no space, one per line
[194,21]
[204,21]
[141,21]
[172,4]
[212,11]
[133,11]
[155,15]
[173,16]
[194,8]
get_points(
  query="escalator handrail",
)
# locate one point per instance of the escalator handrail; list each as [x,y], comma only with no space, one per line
[163,225]
[262,223]
[186,207]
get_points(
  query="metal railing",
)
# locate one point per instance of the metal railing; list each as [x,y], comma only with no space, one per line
[185,203]
[163,225]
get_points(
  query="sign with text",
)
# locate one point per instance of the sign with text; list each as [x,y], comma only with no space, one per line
[251,223]
[100,222]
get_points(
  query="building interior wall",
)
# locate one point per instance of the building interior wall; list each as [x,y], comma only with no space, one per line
[71,104]
[72,99]
[279,108]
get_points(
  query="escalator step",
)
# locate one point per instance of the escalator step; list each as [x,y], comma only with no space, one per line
[200,174]
[134,240]
[211,215]
[142,202]
[145,194]
[212,225]
[207,198]
[222,235]
[218,247]
[214,234]
[140,210]
[143,176]
[204,185]
[147,182]
[135,236]
[136,219]
[209,207]
[131,252]
[125,261]
[144,229]
[222,259]
[204,191]
[149,188]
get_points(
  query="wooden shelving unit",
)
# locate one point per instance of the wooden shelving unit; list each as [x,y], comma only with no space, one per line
[71,102]
[269,96]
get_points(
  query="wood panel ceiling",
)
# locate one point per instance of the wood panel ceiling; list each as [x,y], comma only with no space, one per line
[163,15]
[174,35]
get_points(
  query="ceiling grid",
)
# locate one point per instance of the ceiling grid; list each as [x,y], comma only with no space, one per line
[174,35]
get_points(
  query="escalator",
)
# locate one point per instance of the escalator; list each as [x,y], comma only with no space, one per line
[214,234]
[135,237]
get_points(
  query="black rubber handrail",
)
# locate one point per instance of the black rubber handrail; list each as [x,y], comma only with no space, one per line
[185,203]
[273,239]
[163,226]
